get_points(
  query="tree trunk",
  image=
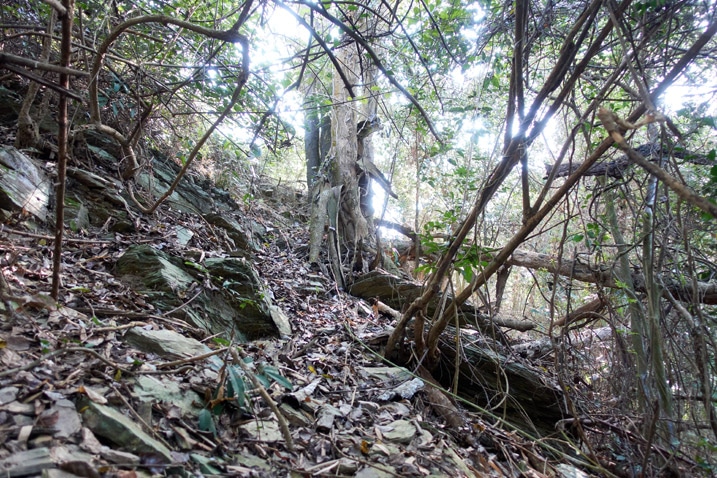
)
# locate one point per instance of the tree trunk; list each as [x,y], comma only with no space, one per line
[344,152]
[347,225]
[317,139]
[28,130]
[311,143]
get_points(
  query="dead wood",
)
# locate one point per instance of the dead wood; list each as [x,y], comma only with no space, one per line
[543,346]
[602,274]
[588,310]
[617,168]
[441,404]
[525,395]
[398,293]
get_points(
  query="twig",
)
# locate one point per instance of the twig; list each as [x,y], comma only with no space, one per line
[265,395]
[119,327]
[54,353]
[184,304]
[117,312]
[52,238]
[6,58]
[615,127]
[173,371]
[196,358]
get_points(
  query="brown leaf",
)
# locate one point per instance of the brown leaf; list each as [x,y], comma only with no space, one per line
[92,395]
[48,419]
[80,468]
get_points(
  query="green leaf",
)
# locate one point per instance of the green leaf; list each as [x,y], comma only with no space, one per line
[273,373]
[713,174]
[709,121]
[80,289]
[196,266]
[264,381]
[236,384]
[206,422]
[221,341]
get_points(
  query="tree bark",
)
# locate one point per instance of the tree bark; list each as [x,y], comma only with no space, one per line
[311,143]
[344,152]
[604,275]
[62,146]
[616,168]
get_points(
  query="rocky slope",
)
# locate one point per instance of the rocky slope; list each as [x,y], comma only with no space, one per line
[197,341]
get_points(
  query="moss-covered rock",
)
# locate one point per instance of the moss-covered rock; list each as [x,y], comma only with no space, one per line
[231,302]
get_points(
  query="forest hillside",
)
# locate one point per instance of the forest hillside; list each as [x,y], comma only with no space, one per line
[271,238]
[200,341]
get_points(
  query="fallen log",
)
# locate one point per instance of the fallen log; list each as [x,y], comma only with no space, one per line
[397,293]
[616,168]
[526,396]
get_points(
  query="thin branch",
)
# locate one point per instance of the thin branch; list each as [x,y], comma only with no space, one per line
[324,46]
[241,81]
[44,82]
[38,65]
[438,30]
[54,353]
[498,175]
[536,218]
[229,36]
[377,61]
[61,10]
[283,426]
[612,125]
[62,145]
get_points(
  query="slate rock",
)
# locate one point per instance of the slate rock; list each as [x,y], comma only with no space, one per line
[154,389]
[119,457]
[399,431]
[281,320]
[63,418]
[327,415]
[24,463]
[237,304]
[8,394]
[55,473]
[110,424]
[263,430]
[24,185]
[374,472]
[235,232]
[568,471]
[168,344]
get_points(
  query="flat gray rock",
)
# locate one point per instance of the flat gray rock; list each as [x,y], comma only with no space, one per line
[109,423]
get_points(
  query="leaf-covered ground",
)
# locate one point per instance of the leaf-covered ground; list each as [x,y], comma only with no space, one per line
[348,412]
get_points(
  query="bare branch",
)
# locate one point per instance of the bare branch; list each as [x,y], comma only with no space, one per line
[61,10]
[613,124]
[37,65]
[377,61]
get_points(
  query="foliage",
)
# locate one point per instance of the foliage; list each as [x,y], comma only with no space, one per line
[235,391]
[475,99]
